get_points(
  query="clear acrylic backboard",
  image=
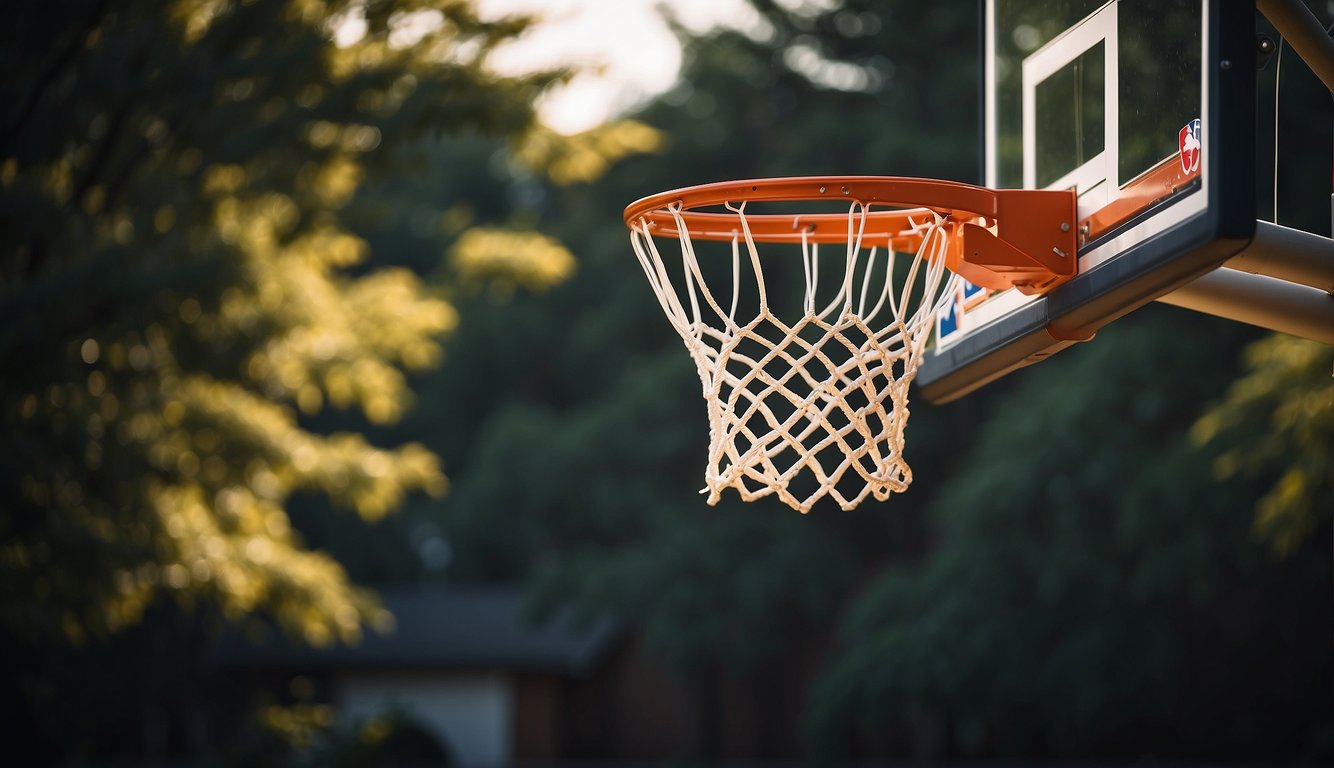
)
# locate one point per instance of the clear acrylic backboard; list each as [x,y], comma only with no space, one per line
[1146,109]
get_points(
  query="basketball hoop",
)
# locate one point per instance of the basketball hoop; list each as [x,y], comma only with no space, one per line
[813,401]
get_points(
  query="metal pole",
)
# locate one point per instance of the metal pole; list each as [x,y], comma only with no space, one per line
[1288,254]
[1258,300]
[1295,22]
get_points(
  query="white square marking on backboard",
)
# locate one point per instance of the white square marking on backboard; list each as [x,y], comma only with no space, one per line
[1100,25]
[1092,175]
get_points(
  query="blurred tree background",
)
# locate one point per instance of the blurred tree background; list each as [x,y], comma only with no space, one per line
[237,234]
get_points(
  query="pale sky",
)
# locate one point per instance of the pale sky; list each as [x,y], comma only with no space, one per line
[627,39]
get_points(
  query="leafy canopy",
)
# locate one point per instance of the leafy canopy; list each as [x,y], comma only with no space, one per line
[180,292]
[1276,424]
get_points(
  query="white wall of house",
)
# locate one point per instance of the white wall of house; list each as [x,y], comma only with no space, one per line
[470,714]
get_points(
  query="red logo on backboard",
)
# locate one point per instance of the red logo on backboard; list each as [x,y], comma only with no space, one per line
[1190,147]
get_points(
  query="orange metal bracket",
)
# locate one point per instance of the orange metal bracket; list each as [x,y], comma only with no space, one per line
[1158,183]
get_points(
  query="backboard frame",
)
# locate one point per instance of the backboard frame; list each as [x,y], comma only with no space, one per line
[1180,253]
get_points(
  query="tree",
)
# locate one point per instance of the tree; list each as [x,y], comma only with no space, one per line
[180,294]
[476,200]
[1091,578]
[1276,426]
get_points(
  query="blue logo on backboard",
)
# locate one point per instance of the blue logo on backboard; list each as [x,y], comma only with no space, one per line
[971,292]
[947,323]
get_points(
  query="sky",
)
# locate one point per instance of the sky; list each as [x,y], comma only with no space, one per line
[627,42]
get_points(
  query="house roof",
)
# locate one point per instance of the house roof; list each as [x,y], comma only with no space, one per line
[450,627]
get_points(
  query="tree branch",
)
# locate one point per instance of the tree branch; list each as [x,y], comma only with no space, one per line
[62,60]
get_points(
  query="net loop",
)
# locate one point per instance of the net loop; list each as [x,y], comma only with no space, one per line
[816,406]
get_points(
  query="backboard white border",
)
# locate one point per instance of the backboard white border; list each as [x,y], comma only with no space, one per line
[1099,25]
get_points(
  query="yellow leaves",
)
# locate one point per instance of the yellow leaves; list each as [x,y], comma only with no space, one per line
[277,212]
[173,412]
[89,351]
[189,160]
[347,61]
[585,156]
[298,724]
[122,229]
[58,179]
[93,199]
[176,418]
[507,258]
[328,247]
[1278,420]
[238,547]
[164,219]
[190,310]
[457,218]
[371,480]
[388,52]
[326,334]
[309,399]
[308,11]
[74,631]
[322,134]
[1284,516]
[255,225]
[408,28]
[403,87]
[375,481]
[390,306]
[337,180]
[337,336]
[224,179]
[97,383]
[194,17]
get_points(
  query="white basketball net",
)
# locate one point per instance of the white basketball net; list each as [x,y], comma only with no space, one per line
[825,393]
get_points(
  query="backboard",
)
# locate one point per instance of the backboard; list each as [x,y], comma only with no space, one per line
[1146,109]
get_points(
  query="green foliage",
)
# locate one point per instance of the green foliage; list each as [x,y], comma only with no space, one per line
[575,427]
[180,293]
[1081,535]
[610,516]
[1277,424]
[504,259]
[586,156]
[217,225]
[304,733]
[1083,571]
